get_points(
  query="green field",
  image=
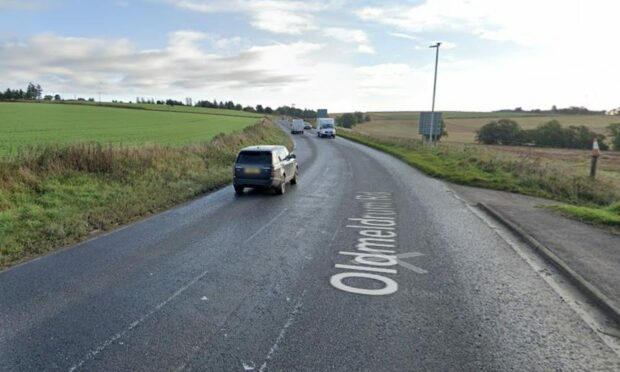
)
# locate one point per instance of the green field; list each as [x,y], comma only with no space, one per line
[53,195]
[30,124]
[153,107]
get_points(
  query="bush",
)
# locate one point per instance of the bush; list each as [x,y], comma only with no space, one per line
[550,134]
[501,132]
[614,132]
[348,120]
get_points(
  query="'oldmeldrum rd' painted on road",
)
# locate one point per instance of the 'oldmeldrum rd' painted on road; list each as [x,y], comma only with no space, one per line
[374,259]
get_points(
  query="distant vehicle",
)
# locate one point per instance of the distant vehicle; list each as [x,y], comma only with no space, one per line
[307,125]
[297,126]
[265,167]
[326,127]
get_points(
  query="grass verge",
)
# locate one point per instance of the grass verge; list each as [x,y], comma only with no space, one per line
[602,216]
[592,201]
[56,195]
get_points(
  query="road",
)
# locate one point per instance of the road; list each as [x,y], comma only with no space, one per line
[283,283]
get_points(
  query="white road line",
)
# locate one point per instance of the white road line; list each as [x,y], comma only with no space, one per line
[265,226]
[280,337]
[93,352]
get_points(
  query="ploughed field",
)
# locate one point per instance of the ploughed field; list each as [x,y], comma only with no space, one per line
[24,125]
[462,126]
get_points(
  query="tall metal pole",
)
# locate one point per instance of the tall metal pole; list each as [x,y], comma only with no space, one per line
[436,46]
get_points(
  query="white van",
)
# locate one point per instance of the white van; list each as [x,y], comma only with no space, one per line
[297,126]
[326,127]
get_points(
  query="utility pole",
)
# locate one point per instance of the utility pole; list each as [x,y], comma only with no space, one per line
[436,46]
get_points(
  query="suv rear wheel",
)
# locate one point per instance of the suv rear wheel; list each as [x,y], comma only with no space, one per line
[280,190]
[239,190]
[294,180]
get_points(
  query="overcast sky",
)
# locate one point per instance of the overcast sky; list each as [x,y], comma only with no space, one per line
[339,54]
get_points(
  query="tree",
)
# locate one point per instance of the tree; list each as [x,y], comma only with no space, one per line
[172,102]
[348,120]
[359,117]
[31,91]
[550,134]
[501,132]
[309,114]
[614,132]
[57,97]
[268,110]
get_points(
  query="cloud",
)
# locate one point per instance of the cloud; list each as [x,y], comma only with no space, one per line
[527,53]
[403,36]
[352,36]
[72,64]
[277,16]
[190,65]
[346,35]
[366,49]
[525,22]
[388,79]
[228,42]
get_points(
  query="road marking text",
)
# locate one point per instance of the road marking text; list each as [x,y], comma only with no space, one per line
[375,256]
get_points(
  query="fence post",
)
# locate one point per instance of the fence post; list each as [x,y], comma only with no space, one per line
[596,152]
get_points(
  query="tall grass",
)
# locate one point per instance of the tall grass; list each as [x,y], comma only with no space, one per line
[53,195]
[469,165]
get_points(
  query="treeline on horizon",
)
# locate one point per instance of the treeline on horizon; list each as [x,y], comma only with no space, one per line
[34,92]
[550,134]
[571,110]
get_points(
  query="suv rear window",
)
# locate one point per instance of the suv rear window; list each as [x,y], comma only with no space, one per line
[254,157]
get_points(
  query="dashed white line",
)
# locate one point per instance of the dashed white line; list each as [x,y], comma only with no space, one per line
[280,337]
[92,353]
[265,226]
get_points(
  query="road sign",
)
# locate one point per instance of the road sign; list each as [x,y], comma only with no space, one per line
[425,123]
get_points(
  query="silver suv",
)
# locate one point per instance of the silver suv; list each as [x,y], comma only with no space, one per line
[265,167]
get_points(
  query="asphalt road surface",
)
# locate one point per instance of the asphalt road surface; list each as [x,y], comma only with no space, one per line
[287,283]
